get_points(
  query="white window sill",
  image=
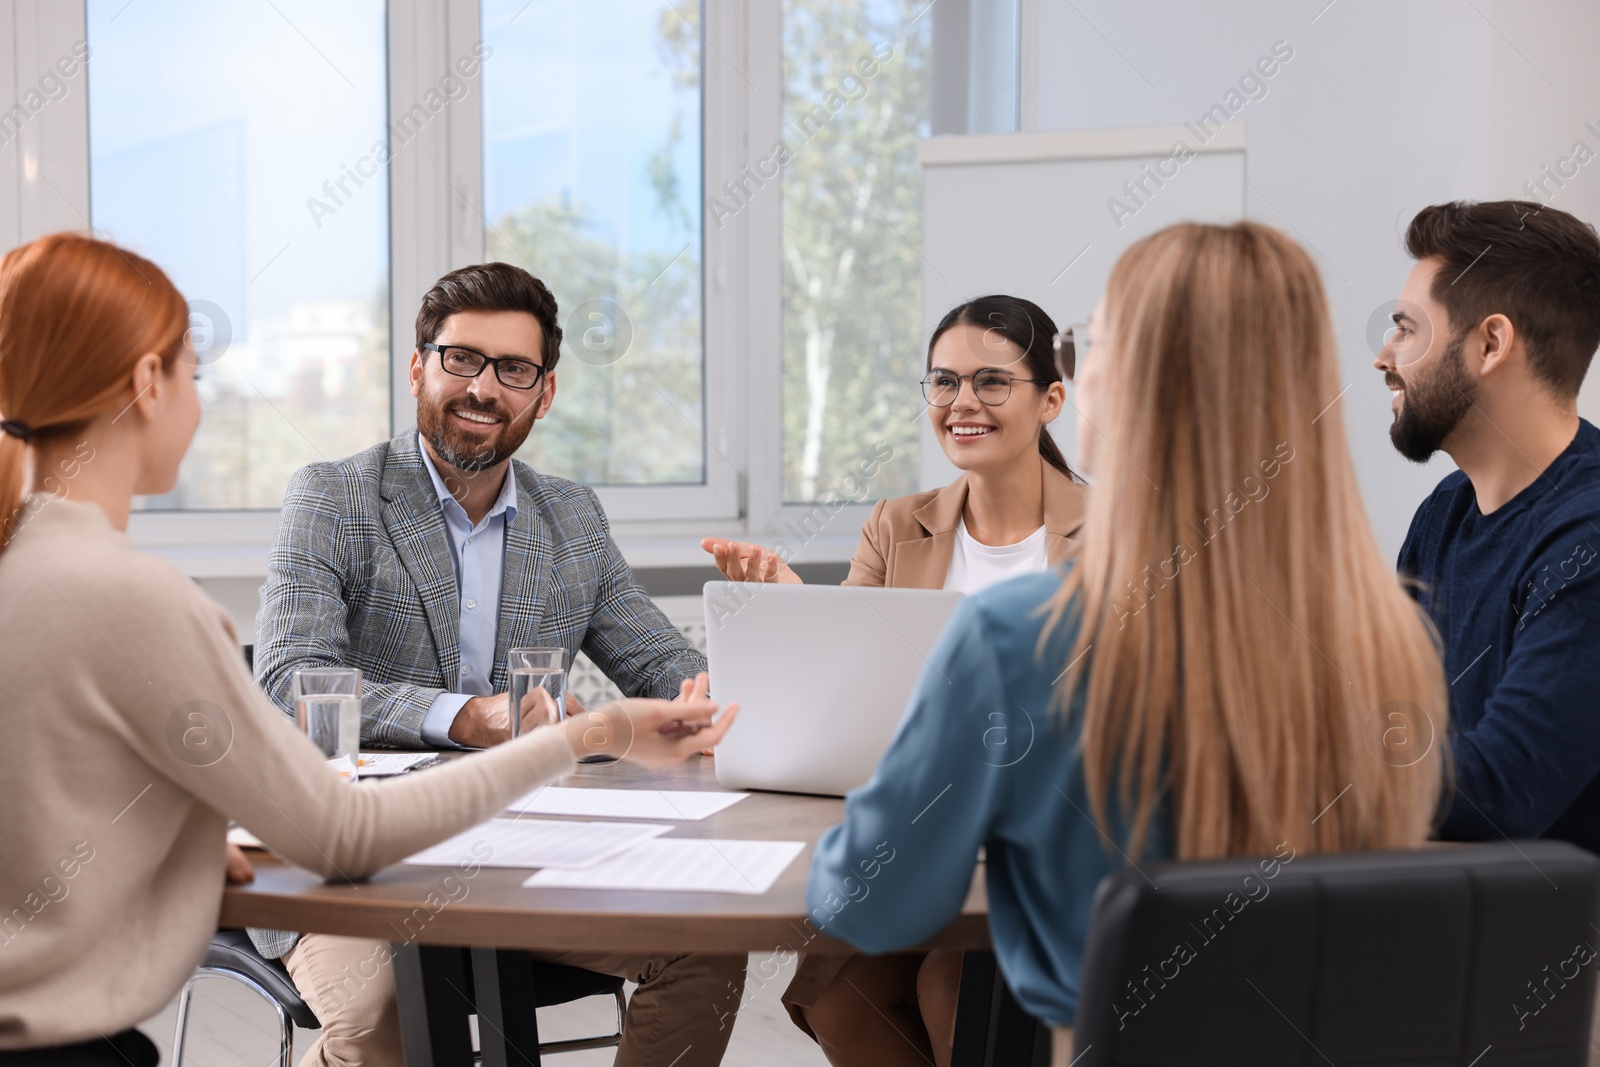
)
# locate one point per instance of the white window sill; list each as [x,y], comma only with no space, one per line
[221,546]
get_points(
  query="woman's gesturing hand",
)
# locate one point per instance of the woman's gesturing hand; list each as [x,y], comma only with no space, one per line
[653,733]
[744,562]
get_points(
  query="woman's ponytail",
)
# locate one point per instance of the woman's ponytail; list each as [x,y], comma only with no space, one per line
[1052,453]
[13,469]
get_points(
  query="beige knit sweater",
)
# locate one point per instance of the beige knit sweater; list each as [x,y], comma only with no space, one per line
[130,732]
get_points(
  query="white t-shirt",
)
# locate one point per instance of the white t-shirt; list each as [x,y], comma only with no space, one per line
[975,566]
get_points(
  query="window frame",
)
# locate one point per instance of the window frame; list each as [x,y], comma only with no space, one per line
[436,186]
[49,157]
[440,188]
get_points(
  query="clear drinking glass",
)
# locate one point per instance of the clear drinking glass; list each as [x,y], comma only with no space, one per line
[327,705]
[536,668]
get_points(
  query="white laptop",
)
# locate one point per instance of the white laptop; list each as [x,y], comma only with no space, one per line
[822,674]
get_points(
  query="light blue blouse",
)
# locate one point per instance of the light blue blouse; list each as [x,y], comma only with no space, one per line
[980,758]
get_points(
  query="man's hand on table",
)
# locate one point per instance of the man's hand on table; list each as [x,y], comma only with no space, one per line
[484,722]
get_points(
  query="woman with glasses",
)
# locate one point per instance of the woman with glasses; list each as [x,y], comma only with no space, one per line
[1199,681]
[134,730]
[992,389]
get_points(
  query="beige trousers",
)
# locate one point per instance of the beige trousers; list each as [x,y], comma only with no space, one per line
[681,1013]
[1061,1047]
[1594,1033]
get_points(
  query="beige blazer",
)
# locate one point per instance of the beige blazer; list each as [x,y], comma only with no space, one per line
[906,542]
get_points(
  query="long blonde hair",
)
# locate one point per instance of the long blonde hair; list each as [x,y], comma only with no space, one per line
[1244,651]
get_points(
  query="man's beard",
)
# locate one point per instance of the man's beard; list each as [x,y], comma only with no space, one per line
[456,447]
[1432,406]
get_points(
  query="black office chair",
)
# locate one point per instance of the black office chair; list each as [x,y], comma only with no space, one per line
[232,956]
[557,983]
[1449,955]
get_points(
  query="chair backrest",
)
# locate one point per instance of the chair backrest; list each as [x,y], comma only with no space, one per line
[1437,956]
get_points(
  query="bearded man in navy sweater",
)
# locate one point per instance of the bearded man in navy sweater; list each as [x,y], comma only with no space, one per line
[1492,336]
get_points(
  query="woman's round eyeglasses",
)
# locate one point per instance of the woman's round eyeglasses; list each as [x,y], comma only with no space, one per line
[992,387]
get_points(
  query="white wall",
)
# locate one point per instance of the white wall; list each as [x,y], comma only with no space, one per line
[1384,108]
[1547,88]
[1025,214]
[241,597]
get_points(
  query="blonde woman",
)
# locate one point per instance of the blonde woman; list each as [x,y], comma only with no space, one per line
[1199,681]
[992,389]
[136,730]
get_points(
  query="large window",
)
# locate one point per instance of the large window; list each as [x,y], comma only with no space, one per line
[592,175]
[233,145]
[856,98]
[724,196]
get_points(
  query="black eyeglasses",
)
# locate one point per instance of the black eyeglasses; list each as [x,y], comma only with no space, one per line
[1069,345]
[992,387]
[511,371]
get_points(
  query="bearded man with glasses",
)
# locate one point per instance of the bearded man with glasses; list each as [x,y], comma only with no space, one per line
[423,561]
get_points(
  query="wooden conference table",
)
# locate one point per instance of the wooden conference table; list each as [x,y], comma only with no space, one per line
[496,914]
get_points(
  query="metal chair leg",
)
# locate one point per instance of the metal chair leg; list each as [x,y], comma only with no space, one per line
[548,1048]
[285,1037]
[180,1037]
[285,1024]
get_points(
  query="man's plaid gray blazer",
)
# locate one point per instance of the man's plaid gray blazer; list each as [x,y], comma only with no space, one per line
[361,575]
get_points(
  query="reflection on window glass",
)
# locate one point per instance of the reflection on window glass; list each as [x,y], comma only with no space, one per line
[592,167]
[249,174]
[855,101]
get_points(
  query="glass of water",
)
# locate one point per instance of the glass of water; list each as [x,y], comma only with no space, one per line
[536,668]
[327,705]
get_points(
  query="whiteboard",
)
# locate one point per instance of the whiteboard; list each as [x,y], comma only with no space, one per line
[1031,215]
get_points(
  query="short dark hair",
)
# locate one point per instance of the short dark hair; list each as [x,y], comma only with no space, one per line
[1538,266]
[491,287]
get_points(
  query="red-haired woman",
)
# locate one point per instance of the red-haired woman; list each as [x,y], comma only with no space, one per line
[135,732]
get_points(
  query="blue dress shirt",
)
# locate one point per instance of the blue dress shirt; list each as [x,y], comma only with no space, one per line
[981,758]
[479,555]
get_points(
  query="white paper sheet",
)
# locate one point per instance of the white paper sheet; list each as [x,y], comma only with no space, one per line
[536,843]
[674,804]
[694,865]
[385,764]
[238,835]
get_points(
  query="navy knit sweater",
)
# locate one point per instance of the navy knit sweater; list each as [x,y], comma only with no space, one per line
[1516,597]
